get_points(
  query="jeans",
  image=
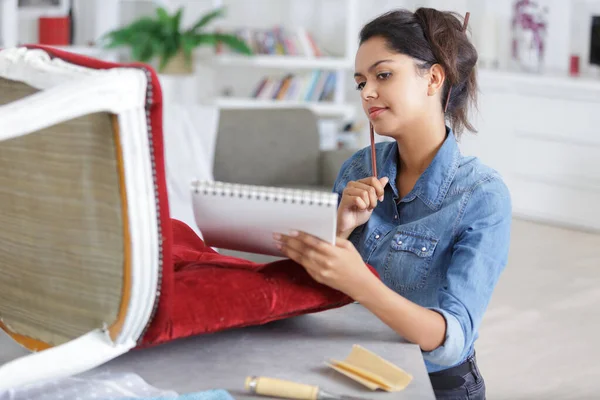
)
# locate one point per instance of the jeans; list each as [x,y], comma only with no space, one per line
[463,382]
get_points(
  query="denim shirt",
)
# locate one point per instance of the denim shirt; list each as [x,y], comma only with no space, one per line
[444,245]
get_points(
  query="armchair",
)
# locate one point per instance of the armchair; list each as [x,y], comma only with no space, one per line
[92,264]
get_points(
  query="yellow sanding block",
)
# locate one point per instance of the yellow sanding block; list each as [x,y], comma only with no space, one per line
[372,371]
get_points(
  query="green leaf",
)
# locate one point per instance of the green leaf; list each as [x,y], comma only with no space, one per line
[234,42]
[163,63]
[158,48]
[203,39]
[143,24]
[136,52]
[169,49]
[147,52]
[126,36]
[166,23]
[187,46]
[143,47]
[137,48]
[116,38]
[163,16]
[219,12]
[177,20]
[161,36]
[167,55]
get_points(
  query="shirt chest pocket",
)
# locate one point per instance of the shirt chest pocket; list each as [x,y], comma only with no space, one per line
[409,260]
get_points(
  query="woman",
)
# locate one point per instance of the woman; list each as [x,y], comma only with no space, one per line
[434,224]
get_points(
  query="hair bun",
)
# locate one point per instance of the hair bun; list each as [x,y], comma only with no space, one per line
[449,43]
[454,51]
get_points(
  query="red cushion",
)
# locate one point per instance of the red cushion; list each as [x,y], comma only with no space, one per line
[214,292]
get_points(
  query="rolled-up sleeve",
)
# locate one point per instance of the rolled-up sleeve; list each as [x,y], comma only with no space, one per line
[479,255]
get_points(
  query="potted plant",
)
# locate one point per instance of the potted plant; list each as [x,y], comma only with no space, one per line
[163,39]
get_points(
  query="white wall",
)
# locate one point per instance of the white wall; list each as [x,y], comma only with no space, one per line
[324,19]
[542,135]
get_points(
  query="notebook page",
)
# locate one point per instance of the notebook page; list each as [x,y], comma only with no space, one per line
[244,217]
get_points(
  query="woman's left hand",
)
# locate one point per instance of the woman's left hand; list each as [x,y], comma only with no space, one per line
[340,267]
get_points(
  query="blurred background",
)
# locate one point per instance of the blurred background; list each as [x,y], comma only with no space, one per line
[538,124]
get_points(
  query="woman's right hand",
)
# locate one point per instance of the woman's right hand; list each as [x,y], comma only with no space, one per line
[359,199]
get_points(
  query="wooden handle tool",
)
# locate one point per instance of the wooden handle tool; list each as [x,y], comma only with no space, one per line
[280,388]
[273,387]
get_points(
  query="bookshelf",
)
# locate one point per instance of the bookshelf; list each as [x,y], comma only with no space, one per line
[283,62]
[107,13]
[233,69]
[104,14]
[321,109]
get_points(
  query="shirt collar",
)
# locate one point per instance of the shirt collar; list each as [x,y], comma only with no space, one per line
[432,186]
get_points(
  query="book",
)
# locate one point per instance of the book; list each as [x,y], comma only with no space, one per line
[245,217]
[278,40]
[312,87]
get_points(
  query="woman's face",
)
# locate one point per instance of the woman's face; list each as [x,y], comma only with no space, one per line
[394,94]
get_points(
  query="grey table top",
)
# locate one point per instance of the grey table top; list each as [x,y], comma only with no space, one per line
[295,349]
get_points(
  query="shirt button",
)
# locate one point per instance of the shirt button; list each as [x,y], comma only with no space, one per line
[424,249]
[376,236]
[399,241]
[395,217]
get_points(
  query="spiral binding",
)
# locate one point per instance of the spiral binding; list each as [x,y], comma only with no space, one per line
[265,193]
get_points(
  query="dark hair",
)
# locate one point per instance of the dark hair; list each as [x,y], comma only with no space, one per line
[434,37]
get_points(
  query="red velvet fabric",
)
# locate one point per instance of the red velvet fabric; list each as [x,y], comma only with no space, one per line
[214,292]
[203,291]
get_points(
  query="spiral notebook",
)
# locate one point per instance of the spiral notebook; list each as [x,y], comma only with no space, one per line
[244,217]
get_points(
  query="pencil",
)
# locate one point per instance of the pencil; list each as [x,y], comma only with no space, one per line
[373,158]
